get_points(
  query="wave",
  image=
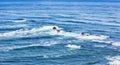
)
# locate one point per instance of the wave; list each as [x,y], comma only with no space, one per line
[50,56]
[12,26]
[73,46]
[111,42]
[44,43]
[15,20]
[116,44]
[96,22]
[115,60]
[27,32]
[94,37]
[80,36]
[101,46]
[47,30]
[108,44]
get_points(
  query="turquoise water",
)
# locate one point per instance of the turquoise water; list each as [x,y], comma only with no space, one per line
[27,37]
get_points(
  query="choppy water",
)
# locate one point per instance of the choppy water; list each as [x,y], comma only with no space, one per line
[27,37]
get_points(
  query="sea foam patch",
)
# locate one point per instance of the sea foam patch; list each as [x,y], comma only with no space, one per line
[115,60]
[73,46]
[113,43]
[79,36]
[93,37]
[116,43]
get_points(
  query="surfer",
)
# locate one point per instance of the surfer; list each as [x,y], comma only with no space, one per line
[82,33]
[70,31]
[54,28]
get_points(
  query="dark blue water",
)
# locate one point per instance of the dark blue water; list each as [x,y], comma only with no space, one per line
[27,37]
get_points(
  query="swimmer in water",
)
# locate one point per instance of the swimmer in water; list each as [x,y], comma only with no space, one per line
[82,33]
[58,31]
[54,28]
[110,36]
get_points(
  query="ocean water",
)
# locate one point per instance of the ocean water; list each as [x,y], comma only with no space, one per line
[27,36]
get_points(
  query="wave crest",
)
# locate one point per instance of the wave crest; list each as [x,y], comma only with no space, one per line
[47,30]
[115,60]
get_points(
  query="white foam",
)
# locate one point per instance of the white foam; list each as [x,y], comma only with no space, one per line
[116,43]
[73,46]
[23,20]
[115,60]
[63,33]
[79,36]
[113,43]
[49,27]
[103,41]
[47,30]
[102,46]
[109,42]
[52,56]
[93,37]
[49,43]
[27,32]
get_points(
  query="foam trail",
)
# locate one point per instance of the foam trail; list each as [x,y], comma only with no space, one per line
[103,41]
[115,60]
[93,37]
[47,30]
[79,36]
[27,32]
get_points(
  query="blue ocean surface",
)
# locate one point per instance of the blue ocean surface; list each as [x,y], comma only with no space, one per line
[27,36]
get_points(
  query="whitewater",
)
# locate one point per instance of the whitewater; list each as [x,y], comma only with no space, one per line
[27,36]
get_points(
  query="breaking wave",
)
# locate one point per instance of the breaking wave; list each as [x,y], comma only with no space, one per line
[47,30]
[115,60]
[26,32]
[116,44]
